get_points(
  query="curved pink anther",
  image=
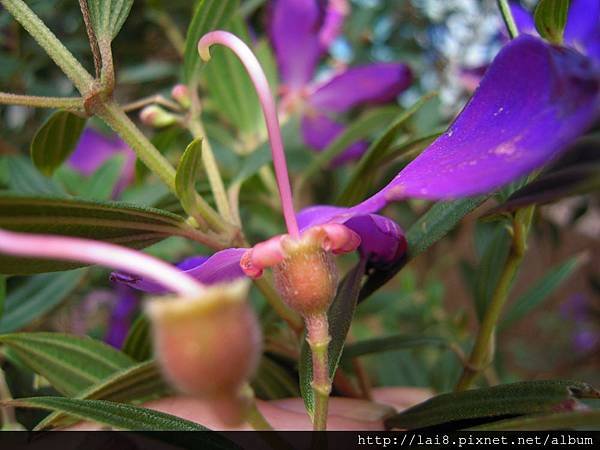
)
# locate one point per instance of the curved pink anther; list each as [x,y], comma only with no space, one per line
[102,253]
[269,110]
[264,254]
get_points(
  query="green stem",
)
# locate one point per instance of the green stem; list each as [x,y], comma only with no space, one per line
[271,295]
[509,20]
[82,80]
[70,103]
[113,115]
[256,420]
[481,354]
[212,170]
[317,336]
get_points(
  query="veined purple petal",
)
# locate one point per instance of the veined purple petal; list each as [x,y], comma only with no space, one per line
[318,131]
[382,239]
[94,149]
[294,32]
[533,101]
[221,267]
[369,84]
[582,31]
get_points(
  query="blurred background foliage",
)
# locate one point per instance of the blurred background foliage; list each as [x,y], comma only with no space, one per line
[552,324]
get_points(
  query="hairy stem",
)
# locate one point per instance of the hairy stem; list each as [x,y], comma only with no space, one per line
[69,103]
[481,354]
[317,336]
[82,80]
[509,20]
[87,20]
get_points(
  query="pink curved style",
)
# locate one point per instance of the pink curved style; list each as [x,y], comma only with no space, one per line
[101,253]
[270,113]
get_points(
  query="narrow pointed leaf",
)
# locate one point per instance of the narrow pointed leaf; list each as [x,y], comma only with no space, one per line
[209,15]
[529,397]
[340,316]
[38,296]
[70,363]
[188,170]
[138,343]
[116,415]
[56,140]
[108,16]
[390,343]
[583,420]
[120,223]
[551,18]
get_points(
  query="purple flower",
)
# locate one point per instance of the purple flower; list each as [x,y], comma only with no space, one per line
[121,316]
[94,149]
[582,32]
[301,31]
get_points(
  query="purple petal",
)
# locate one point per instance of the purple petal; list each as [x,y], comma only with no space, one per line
[583,27]
[523,20]
[382,239]
[533,101]
[94,149]
[221,267]
[335,13]
[370,84]
[294,33]
[318,131]
[122,314]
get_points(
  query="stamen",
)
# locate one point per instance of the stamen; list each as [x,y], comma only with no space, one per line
[102,253]
[270,113]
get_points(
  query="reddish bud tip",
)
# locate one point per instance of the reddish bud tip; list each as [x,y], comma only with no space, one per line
[209,346]
[181,94]
[156,117]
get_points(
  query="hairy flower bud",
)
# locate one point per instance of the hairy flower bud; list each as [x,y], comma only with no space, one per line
[156,117]
[209,346]
[307,276]
[181,94]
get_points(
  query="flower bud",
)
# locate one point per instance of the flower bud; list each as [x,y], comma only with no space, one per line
[307,277]
[156,117]
[209,346]
[181,94]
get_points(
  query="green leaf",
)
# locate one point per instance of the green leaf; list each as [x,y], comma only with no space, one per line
[138,343]
[135,383]
[70,363]
[273,382]
[230,87]
[551,18]
[358,129]
[56,140]
[209,15]
[117,415]
[188,170]
[125,224]
[430,228]
[528,397]
[359,183]
[340,316]
[25,179]
[543,288]
[39,295]
[108,16]
[557,421]
[390,343]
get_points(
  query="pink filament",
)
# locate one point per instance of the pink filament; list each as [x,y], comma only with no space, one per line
[102,253]
[269,110]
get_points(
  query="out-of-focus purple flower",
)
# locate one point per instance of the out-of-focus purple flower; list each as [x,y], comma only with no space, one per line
[94,149]
[533,101]
[586,334]
[126,304]
[300,32]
